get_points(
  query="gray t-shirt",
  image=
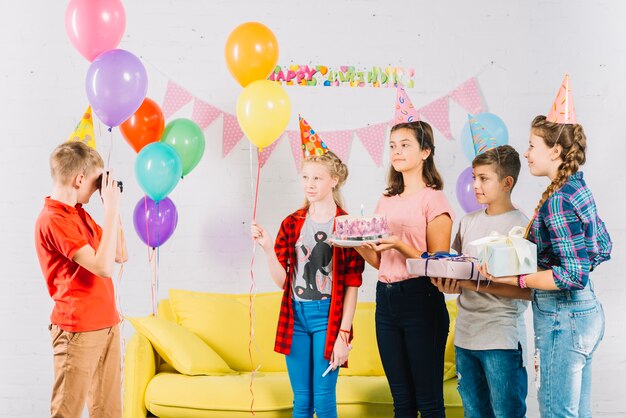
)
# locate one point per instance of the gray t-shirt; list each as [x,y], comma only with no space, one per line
[313,275]
[484,321]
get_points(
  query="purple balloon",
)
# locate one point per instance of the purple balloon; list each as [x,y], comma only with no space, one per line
[155,222]
[465,191]
[116,85]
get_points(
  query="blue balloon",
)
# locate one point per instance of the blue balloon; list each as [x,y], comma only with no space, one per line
[158,169]
[493,124]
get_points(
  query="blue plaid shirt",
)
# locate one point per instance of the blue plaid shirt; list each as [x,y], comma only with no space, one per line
[570,236]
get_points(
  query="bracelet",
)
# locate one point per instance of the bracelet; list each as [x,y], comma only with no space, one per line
[521,281]
[347,331]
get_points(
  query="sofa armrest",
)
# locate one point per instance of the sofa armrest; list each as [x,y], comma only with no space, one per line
[139,368]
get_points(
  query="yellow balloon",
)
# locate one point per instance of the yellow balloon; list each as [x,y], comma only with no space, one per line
[263,112]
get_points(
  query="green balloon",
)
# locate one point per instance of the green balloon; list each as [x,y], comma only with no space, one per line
[187,139]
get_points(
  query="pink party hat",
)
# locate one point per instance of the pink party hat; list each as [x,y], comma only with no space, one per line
[562,110]
[312,144]
[405,112]
[481,137]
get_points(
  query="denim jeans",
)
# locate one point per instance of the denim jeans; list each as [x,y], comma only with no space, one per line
[492,383]
[306,363]
[569,325]
[411,330]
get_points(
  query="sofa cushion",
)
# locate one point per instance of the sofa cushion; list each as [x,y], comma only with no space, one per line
[223,322]
[172,391]
[182,349]
[364,359]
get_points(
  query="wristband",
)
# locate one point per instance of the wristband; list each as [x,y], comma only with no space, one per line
[347,331]
[521,281]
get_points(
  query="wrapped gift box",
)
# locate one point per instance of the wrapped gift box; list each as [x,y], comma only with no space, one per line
[448,266]
[507,255]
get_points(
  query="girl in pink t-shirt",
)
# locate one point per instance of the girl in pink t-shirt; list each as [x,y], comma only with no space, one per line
[411,316]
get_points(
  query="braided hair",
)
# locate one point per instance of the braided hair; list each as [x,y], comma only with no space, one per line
[573,144]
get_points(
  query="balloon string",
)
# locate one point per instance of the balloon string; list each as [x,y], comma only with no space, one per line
[110,149]
[120,310]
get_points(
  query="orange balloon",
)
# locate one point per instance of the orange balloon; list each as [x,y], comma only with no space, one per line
[144,126]
[251,52]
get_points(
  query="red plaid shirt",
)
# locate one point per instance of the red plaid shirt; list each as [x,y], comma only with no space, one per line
[347,268]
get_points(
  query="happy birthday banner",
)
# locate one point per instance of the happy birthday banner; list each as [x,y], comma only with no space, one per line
[321,75]
[373,137]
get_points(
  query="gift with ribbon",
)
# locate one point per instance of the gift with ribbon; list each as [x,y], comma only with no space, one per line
[443,264]
[507,255]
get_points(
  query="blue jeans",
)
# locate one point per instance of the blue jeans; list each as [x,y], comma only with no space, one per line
[492,383]
[306,362]
[569,325]
[411,330]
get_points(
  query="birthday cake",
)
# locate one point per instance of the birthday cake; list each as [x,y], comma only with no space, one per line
[355,228]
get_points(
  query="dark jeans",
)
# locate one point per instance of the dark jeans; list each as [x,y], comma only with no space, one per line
[411,329]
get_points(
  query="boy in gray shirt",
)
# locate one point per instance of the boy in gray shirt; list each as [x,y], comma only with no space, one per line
[490,335]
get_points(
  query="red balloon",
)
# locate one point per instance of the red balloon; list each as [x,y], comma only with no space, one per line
[144,126]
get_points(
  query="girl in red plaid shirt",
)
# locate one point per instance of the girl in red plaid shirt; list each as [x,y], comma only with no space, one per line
[320,284]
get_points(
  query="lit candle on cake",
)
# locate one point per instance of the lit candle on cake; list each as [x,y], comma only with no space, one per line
[361,209]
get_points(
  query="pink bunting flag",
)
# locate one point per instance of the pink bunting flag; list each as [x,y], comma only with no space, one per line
[437,113]
[468,96]
[373,139]
[339,143]
[175,98]
[204,113]
[296,147]
[267,151]
[231,134]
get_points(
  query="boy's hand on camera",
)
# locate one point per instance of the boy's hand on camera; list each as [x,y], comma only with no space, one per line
[111,194]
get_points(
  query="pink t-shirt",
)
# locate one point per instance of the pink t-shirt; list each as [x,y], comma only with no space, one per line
[407,218]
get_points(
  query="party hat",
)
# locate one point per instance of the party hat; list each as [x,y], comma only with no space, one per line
[312,144]
[481,137]
[562,110]
[84,130]
[405,112]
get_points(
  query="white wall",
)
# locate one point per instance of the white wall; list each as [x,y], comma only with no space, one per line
[519,51]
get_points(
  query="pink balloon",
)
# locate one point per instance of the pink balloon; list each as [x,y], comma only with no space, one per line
[95,26]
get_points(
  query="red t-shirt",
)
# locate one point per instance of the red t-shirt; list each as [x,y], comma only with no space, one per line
[83,301]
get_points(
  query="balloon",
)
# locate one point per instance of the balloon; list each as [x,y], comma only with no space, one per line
[154,221]
[158,169]
[95,26]
[251,52]
[263,111]
[144,126]
[116,86]
[465,191]
[187,139]
[493,124]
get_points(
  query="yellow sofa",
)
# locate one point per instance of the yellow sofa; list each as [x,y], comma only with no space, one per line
[193,361]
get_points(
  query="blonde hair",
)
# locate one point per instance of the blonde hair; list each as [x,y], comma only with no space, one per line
[573,144]
[336,168]
[72,158]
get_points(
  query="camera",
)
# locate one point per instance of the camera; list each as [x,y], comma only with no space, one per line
[118,183]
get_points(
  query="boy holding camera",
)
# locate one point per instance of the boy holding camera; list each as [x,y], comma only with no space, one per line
[77,258]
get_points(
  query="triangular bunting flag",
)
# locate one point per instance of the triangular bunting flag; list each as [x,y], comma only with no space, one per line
[373,139]
[468,96]
[267,151]
[84,130]
[339,143]
[231,134]
[175,98]
[437,114]
[204,113]
[296,147]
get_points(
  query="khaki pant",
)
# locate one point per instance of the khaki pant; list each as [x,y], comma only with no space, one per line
[86,368]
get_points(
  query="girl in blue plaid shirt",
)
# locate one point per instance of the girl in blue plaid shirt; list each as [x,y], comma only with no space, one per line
[571,242]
